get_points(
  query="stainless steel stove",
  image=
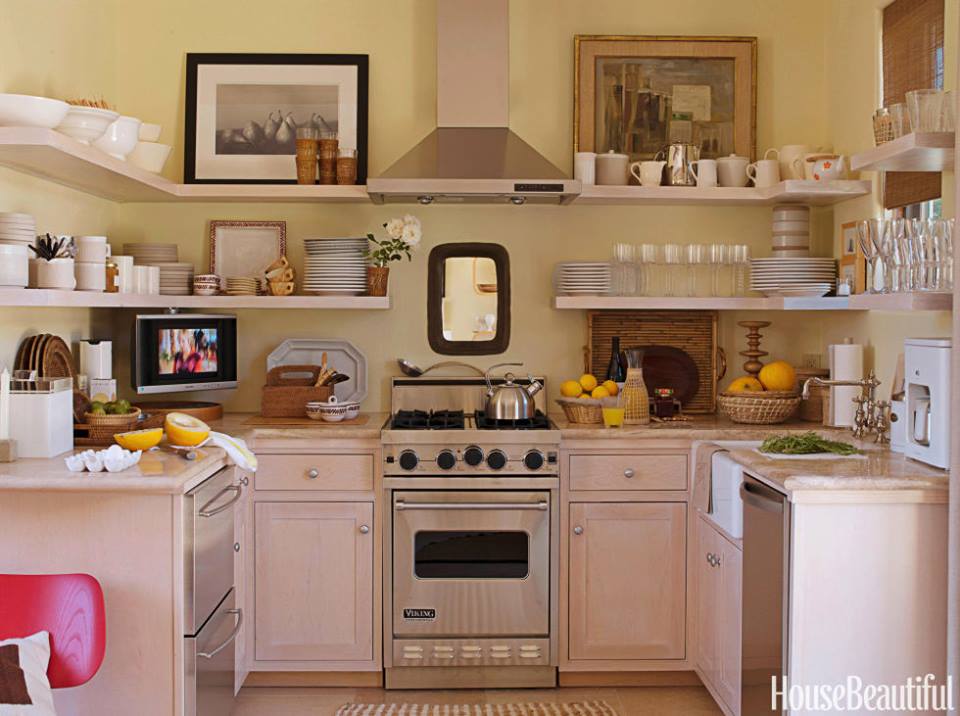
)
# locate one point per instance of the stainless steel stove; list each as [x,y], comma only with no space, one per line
[471,565]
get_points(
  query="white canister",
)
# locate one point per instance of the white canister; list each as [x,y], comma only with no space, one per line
[125,274]
[14,265]
[585,167]
[56,273]
[705,172]
[92,249]
[153,280]
[96,359]
[141,280]
[612,169]
[732,170]
[90,276]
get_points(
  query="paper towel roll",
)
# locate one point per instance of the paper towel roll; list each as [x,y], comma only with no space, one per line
[96,359]
[846,363]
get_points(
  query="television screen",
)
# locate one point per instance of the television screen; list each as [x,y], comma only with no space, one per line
[187,351]
[184,352]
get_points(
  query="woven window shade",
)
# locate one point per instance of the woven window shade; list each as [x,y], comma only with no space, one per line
[912,49]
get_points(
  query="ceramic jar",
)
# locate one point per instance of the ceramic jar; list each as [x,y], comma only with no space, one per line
[612,169]
[732,170]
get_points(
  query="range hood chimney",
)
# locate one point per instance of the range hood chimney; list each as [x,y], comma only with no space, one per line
[472,156]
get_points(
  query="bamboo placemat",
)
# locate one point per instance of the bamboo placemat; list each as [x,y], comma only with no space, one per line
[262,422]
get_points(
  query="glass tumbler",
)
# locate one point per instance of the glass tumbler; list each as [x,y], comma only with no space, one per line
[647,258]
[925,107]
[694,259]
[624,270]
[673,268]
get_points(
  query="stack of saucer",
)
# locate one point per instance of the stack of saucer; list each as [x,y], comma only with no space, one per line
[242,286]
[791,231]
[335,266]
[176,279]
[793,277]
[206,284]
[152,254]
[583,278]
[17,228]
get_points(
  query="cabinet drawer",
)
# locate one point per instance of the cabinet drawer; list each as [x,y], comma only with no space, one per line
[640,471]
[315,472]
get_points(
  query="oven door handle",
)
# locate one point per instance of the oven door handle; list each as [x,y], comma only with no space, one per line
[541,506]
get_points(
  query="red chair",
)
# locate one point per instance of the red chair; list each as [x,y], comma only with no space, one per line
[70,607]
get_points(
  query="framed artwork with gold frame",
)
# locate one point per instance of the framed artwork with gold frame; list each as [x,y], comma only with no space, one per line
[636,94]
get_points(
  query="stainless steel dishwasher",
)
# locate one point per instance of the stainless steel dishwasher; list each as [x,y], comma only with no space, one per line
[766,575]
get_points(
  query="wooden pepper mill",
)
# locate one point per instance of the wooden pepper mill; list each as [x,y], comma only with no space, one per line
[753,354]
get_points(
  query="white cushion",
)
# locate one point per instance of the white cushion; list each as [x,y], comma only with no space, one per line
[32,655]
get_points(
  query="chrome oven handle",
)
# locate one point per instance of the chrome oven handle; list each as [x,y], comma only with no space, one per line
[205,511]
[226,642]
[401,505]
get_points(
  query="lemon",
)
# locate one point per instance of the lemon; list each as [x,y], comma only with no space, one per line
[746,384]
[570,389]
[600,392]
[612,388]
[584,396]
[185,430]
[778,375]
[139,439]
[588,382]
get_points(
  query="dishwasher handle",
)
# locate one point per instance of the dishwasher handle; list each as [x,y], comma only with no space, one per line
[762,497]
[401,505]
[230,638]
[206,511]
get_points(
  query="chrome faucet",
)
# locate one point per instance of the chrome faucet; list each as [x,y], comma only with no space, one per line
[872,416]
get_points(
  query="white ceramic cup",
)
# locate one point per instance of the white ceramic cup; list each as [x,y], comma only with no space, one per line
[57,273]
[92,249]
[14,265]
[764,172]
[705,172]
[585,167]
[612,169]
[648,173]
[732,170]
[125,274]
[141,280]
[90,276]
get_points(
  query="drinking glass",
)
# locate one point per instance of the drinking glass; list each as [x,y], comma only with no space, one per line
[948,122]
[695,258]
[886,250]
[918,252]
[741,260]
[673,263]
[942,231]
[925,107]
[900,257]
[899,119]
[646,255]
[867,231]
[948,227]
[718,258]
[624,270]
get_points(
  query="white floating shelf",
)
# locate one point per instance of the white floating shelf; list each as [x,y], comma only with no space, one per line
[89,299]
[740,303]
[924,152]
[50,155]
[921,301]
[792,191]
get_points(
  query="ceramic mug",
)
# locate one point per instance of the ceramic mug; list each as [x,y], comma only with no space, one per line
[56,273]
[648,173]
[705,172]
[824,167]
[90,276]
[92,249]
[585,167]
[764,172]
[732,170]
[612,169]
[788,156]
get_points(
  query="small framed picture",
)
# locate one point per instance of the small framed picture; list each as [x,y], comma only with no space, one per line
[848,239]
[243,249]
[853,270]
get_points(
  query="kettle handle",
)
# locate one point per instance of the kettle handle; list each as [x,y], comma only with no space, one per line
[486,375]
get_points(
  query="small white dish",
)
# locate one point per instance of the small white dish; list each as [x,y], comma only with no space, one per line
[120,137]
[22,110]
[150,156]
[86,124]
[150,132]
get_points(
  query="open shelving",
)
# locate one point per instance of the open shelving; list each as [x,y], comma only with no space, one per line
[920,301]
[792,191]
[914,152]
[712,303]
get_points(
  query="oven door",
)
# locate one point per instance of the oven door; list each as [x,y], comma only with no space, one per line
[471,563]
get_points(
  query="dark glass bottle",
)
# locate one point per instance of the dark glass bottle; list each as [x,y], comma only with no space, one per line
[615,370]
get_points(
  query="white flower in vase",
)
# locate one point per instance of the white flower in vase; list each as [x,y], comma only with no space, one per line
[394,228]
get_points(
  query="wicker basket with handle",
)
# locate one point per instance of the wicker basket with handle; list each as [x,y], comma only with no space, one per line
[581,411]
[766,408]
[103,427]
[288,390]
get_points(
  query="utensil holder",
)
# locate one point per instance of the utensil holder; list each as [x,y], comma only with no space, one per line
[288,391]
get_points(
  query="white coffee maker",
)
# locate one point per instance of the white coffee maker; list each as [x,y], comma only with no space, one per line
[927,388]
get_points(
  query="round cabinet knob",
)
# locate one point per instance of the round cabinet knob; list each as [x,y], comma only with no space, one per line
[533,460]
[236,546]
[313,473]
[578,530]
[473,456]
[364,529]
[496,460]
[628,472]
[446,460]
[409,460]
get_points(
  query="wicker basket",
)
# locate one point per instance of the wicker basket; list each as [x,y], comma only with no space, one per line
[767,408]
[104,427]
[287,392]
[581,411]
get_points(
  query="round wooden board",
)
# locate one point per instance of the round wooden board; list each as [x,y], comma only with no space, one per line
[202,411]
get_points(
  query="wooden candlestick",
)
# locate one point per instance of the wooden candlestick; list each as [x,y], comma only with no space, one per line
[8,450]
[753,365]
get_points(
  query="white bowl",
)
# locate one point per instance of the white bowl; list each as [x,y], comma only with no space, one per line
[14,262]
[23,110]
[57,273]
[150,156]
[149,132]
[120,138]
[86,124]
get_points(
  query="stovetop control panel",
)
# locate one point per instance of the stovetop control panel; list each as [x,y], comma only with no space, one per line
[473,458]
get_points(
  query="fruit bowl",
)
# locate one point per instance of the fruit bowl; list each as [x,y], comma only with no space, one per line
[767,407]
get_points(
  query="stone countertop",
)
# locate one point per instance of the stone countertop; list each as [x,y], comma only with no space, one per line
[239,425]
[699,427]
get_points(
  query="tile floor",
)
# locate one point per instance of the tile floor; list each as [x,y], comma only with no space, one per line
[643,701]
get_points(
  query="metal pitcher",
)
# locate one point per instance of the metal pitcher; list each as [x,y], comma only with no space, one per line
[678,156]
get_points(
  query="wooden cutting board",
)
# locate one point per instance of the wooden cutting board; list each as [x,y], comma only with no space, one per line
[669,367]
[258,421]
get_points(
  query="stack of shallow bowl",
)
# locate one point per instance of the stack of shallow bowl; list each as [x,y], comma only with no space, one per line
[149,154]
[152,254]
[791,231]
[793,277]
[335,267]
[242,286]
[176,279]
[583,278]
[17,228]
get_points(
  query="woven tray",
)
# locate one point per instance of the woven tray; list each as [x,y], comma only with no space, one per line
[287,391]
[768,408]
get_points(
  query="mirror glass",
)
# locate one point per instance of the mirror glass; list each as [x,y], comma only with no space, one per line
[469,305]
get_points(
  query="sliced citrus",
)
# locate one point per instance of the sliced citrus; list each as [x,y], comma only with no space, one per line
[185,430]
[139,439]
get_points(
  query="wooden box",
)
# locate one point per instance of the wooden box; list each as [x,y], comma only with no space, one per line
[288,390]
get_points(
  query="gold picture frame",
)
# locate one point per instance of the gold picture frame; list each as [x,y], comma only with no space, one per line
[701,110]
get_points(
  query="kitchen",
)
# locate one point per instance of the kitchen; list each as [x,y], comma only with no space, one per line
[820,106]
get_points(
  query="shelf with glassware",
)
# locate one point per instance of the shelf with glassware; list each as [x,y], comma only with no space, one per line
[914,152]
[40,297]
[791,191]
[705,303]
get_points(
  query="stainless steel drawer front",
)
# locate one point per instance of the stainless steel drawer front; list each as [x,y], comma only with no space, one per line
[210,659]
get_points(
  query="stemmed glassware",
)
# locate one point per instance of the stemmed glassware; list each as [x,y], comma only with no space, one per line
[907,254]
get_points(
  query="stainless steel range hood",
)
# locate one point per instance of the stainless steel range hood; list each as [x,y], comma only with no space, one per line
[472,156]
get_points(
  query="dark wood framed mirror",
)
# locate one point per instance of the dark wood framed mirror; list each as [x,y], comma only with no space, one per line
[468,299]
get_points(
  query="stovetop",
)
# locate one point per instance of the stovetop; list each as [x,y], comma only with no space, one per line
[461,420]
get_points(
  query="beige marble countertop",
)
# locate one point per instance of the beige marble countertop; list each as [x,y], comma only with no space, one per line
[239,425]
[699,427]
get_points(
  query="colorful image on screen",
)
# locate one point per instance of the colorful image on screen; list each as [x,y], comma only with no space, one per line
[187,351]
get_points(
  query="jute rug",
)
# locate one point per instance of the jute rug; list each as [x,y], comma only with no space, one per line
[578,708]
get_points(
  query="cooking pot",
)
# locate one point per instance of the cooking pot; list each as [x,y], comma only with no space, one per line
[510,400]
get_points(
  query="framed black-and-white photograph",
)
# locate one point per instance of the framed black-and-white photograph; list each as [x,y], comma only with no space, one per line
[243,110]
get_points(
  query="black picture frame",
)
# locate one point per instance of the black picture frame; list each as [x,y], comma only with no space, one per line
[436,289]
[196,60]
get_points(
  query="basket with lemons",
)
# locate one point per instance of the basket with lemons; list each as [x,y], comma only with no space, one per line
[768,398]
[583,399]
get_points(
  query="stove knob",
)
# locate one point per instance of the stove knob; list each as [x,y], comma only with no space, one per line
[409,460]
[446,460]
[473,456]
[533,460]
[496,460]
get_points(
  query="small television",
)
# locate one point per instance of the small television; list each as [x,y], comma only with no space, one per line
[175,353]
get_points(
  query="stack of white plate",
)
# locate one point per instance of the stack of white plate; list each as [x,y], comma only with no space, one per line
[583,278]
[176,279]
[335,267]
[152,254]
[242,286]
[791,231]
[17,228]
[793,276]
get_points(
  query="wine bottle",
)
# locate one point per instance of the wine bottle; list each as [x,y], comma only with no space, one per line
[615,369]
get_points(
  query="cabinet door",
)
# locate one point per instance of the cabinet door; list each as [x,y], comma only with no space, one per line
[627,580]
[314,581]
[708,636]
[728,622]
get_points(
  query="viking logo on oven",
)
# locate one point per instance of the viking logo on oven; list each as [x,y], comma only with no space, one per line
[420,615]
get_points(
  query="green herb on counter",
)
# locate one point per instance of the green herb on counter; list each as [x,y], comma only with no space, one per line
[805,444]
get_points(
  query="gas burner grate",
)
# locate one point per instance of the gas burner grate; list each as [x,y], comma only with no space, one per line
[422,420]
[537,422]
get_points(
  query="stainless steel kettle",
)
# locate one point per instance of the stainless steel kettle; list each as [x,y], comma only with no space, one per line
[678,156]
[510,401]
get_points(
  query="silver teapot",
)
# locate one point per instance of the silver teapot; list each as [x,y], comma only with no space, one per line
[678,156]
[510,400]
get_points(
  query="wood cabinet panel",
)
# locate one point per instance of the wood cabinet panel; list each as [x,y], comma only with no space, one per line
[629,472]
[627,580]
[314,581]
[315,472]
